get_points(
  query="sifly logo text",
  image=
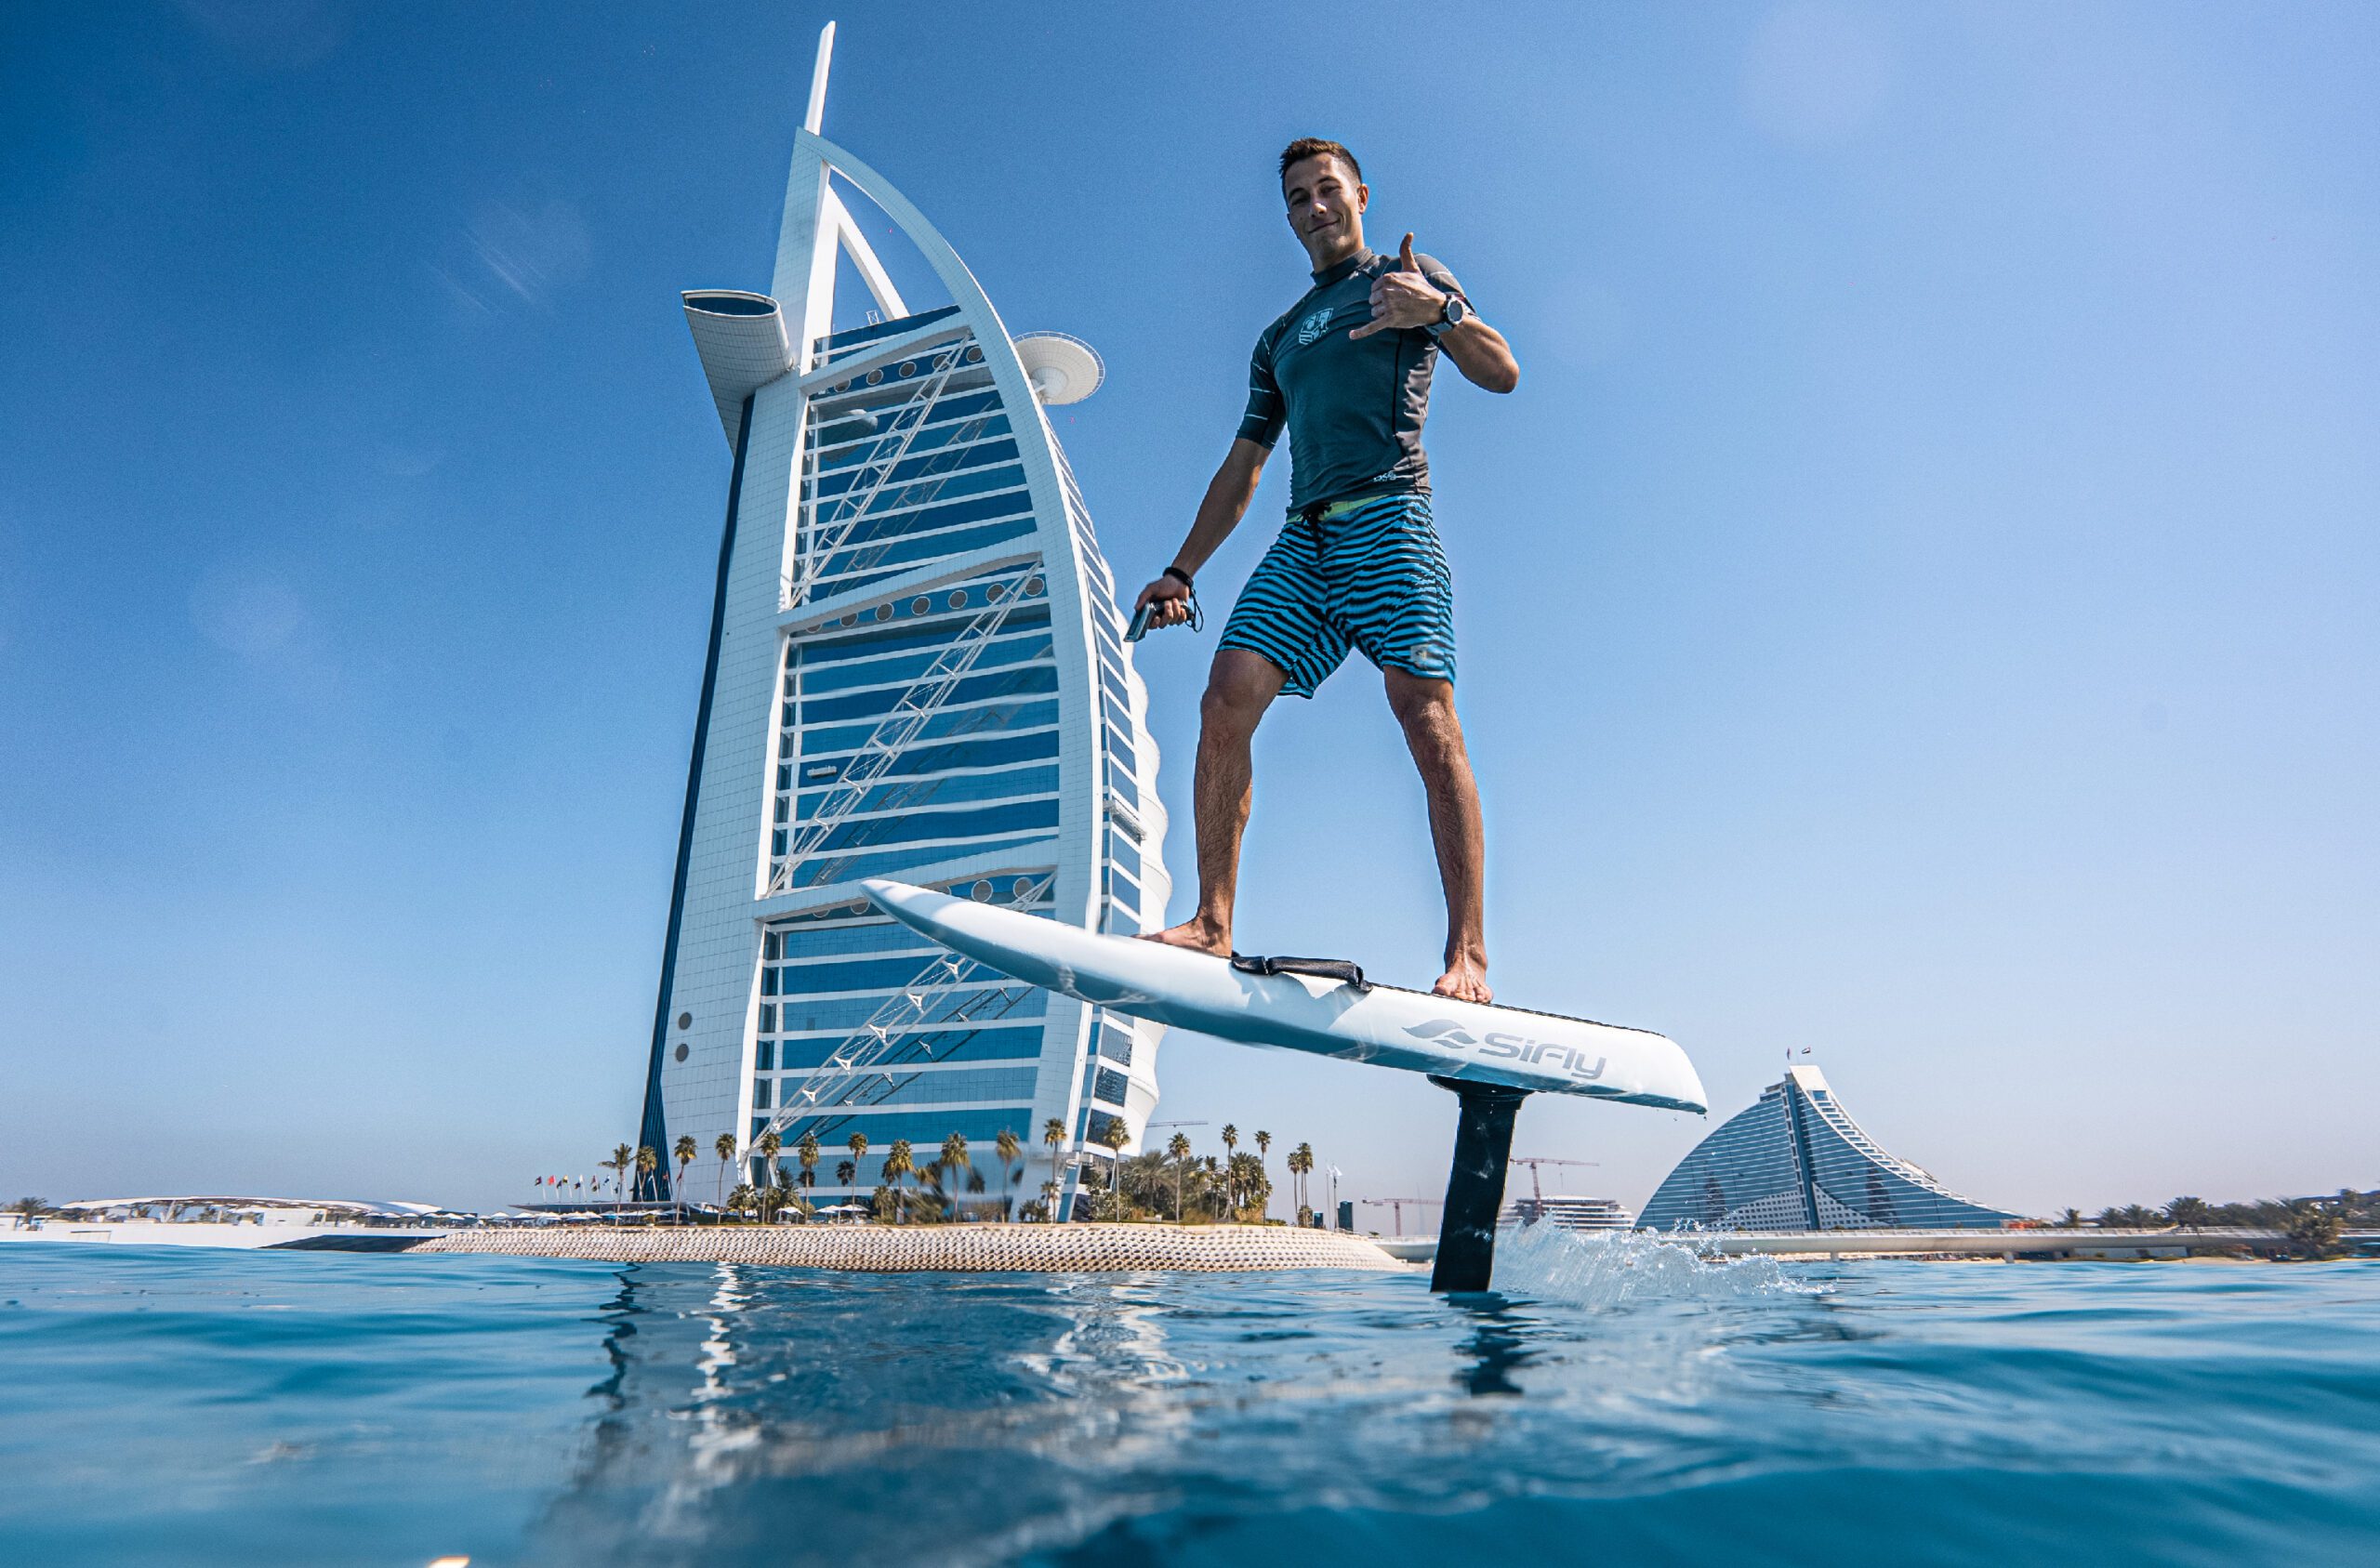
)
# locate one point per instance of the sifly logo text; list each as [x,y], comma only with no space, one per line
[1500,1047]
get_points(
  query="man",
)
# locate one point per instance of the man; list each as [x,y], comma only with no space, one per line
[1347,370]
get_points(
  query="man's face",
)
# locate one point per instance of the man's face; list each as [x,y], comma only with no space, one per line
[1326,204]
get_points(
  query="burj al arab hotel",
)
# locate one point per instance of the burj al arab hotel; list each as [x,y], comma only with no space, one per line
[916,670]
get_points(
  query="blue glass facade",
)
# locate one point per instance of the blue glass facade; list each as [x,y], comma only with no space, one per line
[920,674]
[913,728]
[1796,1161]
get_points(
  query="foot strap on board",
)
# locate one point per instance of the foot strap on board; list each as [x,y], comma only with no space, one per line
[1338,969]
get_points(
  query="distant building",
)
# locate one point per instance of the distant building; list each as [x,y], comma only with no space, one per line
[1570,1214]
[1796,1161]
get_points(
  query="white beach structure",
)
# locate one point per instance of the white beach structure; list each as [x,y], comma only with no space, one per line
[916,670]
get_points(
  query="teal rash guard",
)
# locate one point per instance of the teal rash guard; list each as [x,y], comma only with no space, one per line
[1354,407]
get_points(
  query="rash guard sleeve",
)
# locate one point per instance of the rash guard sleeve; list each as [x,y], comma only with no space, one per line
[1440,278]
[1262,423]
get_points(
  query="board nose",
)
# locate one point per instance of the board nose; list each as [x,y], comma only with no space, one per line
[911,905]
[889,894]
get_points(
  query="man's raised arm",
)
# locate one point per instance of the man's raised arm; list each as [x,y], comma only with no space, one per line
[1228,494]
[1407,298]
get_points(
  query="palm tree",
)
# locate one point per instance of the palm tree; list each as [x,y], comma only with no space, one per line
[1249,1186]
[953,1160]
[1054,1133]
[2311,1225]
[2190,1212]
[805,1149]
[1177,1149]
[648,1160]
[2071,1218]
[1115,1135]
[1009,1148]
[765,1183]
[740,1199]
[724,1147]
[857,1143]
[684,1151]
[898,1164]
[623,1160]
[845,1173]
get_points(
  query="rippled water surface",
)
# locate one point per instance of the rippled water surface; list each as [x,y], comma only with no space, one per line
[1614,1402]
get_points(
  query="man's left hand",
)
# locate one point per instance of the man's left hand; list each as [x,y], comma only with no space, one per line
[1403,298]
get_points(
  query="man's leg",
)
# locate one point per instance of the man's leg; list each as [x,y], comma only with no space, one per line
[1425,708]
[1240,686]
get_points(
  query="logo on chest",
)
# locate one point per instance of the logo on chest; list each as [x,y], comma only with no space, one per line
[1314,326]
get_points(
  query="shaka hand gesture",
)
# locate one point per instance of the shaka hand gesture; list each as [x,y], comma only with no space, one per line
[1402,298]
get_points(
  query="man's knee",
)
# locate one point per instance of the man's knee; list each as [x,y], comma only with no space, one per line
[1424,708]
[1239,688]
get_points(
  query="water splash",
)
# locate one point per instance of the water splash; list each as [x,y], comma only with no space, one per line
[1614,1268]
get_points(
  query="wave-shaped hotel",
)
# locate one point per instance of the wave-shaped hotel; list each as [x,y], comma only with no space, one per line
[916,669]
[1796,1161]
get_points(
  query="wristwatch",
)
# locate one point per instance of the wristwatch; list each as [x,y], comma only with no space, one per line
[1458,311]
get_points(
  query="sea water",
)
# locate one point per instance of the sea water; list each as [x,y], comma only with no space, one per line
[1616,1401]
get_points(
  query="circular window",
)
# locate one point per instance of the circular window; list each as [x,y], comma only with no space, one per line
[1021,888]
[884,612]
[921,604]
[909,367]
[992,592]
[842,386]
[681,1051]
[858,906]
[957,601]
[1033,586]
[981,892]
[874,376]
[848,620]
[974,354]
[685,1021]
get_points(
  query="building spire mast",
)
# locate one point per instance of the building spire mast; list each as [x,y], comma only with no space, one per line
[815,117]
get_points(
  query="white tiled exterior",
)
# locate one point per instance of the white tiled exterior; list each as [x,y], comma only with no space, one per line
[800,627]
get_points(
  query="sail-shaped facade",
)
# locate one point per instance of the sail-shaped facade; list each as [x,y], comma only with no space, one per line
[916,670]
[1796,1161]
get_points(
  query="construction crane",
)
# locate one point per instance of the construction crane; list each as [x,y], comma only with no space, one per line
[1536,1191]
[1396,1207]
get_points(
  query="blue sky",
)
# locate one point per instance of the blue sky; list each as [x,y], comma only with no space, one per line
[1919,606]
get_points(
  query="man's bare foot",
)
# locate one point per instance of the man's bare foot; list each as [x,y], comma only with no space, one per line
[1199,934]
[1465,980]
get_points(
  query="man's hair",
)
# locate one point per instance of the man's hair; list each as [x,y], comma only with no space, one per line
[1307,146]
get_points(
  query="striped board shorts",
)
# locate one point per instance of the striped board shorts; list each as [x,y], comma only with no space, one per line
[1367,572]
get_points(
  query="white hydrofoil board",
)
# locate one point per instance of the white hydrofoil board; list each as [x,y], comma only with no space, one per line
[1383,1024]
